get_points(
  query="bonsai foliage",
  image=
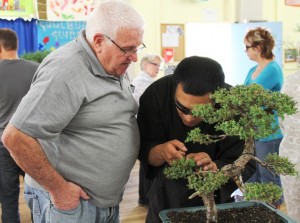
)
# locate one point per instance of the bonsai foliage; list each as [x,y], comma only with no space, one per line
[203,182]
[245,111]
[248,113]
[268,192]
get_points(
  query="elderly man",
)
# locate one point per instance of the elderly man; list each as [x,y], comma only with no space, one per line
[75,133]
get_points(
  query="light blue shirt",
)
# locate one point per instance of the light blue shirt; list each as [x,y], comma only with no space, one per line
[271,78]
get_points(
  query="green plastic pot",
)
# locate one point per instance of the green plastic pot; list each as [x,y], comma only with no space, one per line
[165,219]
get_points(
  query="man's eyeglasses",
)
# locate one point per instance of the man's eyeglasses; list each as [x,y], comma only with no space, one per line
[248,47]
[130,52]
[154,64]
[182,108]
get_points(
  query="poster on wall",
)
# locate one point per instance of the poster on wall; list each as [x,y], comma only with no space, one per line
[52,35]
[17,8]
[70,9]
[292,2]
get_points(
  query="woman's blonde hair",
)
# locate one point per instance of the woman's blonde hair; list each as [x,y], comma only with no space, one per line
[262,38]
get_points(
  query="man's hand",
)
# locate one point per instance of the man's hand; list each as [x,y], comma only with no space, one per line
[69,197]
[167,152]
[203,160]
[173,150]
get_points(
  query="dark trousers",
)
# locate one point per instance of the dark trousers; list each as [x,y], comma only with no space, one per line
[9,187]
[144,187]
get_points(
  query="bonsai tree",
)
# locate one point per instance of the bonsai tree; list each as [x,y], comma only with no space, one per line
[243,111]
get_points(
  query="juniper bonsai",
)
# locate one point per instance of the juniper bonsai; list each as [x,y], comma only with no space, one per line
[243,111]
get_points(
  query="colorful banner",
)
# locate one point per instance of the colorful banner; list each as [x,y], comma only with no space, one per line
[52,35]
[74,10]
[17,8]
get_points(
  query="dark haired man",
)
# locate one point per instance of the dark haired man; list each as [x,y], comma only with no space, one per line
[75,133]
[16,76]
[164,120]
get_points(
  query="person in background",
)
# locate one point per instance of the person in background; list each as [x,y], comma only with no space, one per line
[165,118]
[150,65]
[16,76]
[75,133]
[289,147]
[259,44]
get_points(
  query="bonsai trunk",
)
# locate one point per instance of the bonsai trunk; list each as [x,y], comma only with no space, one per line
[231,170]
[211,210]
[236,168]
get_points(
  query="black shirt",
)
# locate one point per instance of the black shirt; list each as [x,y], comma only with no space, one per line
[159,122]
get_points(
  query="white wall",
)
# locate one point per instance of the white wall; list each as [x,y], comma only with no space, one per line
[203,39]
[250,10]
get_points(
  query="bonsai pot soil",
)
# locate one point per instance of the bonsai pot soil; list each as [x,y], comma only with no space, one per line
[254,214]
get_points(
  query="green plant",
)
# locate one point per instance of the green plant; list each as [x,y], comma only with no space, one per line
[37,56]
[268,192]
[243,111]
[291,49]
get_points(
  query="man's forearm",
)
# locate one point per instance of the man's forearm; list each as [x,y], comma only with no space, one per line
[28,154]
[155,157]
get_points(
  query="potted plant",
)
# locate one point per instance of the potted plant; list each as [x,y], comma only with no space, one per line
[246,112]
[37,56]
[291,52]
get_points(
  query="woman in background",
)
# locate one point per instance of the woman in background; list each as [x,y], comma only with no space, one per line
[259,44]
[150,66]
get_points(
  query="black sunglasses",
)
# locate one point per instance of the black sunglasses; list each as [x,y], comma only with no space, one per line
[182,108]
[248,47]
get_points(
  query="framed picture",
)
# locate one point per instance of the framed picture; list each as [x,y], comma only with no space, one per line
[292,2]
[290,55]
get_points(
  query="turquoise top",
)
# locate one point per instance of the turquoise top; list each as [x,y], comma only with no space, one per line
[271,78]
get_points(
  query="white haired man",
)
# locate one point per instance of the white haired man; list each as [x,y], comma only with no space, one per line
[75,132]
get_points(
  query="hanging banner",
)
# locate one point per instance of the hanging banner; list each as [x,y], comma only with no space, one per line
[73,10]
[17,8]
[52,35]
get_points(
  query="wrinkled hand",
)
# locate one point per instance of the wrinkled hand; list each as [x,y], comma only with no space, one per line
[203,160]
[68,198]
[173,150]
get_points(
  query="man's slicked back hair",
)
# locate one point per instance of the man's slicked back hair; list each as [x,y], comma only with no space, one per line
[199,75]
